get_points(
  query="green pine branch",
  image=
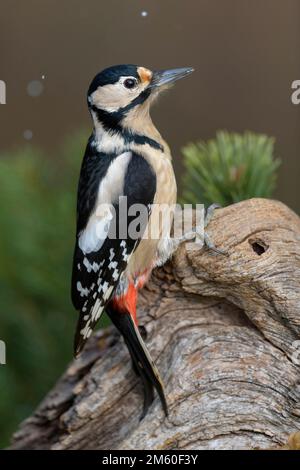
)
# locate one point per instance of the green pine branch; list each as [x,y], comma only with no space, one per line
[229,168]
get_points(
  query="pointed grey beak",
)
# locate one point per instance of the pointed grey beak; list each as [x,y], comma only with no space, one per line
[164,77]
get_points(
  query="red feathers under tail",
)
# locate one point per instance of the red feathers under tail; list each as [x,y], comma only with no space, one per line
[126,303]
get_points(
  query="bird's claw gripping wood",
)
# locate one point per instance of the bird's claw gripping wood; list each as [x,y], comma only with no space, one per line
[200,233]
[207,241]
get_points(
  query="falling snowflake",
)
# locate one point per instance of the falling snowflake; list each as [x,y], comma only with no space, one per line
[35,88]
[144,14]
[28,134]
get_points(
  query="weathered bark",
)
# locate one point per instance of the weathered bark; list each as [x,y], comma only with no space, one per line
[222,331]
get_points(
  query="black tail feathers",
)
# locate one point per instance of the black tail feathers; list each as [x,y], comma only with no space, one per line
[141,359]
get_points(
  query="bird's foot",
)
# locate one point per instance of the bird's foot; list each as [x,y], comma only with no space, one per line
[199,233]
[207,241]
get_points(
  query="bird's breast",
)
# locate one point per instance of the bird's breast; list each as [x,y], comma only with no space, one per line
[161,218]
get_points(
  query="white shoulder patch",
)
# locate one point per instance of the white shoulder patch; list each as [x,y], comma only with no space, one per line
[111,187]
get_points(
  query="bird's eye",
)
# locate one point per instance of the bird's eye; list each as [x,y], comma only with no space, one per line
[129,83]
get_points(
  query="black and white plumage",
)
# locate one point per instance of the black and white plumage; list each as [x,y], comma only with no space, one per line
[125,159]
[99,259]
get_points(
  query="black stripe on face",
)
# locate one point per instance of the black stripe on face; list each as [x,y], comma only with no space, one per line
[128,136]
[111,121]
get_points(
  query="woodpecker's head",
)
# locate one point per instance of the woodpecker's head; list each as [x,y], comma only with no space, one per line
[121,90]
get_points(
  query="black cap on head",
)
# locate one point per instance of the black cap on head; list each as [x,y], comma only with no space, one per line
[112,75]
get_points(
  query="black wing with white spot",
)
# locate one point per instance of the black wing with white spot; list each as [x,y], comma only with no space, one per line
[101,251]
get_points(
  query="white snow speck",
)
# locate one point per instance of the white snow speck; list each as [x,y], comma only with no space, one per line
[35,88]
[28,134]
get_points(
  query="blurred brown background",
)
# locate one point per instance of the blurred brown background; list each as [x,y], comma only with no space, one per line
[245,54]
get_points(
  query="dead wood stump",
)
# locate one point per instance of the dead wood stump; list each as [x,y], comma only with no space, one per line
[223,332]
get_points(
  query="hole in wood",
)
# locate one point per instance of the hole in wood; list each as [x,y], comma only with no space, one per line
[258,246]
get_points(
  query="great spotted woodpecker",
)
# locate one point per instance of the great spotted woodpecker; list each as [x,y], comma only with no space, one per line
[125,157]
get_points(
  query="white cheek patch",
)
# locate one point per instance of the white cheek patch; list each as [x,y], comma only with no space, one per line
[114,96]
